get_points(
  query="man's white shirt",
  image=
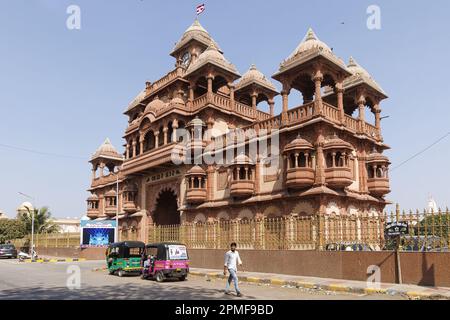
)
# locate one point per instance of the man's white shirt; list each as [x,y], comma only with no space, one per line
[232,260]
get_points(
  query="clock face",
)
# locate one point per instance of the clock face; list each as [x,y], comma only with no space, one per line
[186,59]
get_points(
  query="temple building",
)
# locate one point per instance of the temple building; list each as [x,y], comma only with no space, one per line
[331,159]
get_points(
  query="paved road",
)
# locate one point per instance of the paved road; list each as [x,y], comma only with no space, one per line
[49,281]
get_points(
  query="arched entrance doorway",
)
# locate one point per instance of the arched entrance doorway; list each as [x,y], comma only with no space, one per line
[166,212]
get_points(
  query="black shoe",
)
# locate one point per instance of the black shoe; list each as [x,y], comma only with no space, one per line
[227,293]
[239,295]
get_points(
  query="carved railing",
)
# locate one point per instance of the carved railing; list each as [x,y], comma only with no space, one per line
[172,75]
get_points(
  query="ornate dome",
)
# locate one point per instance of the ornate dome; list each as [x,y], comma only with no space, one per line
[359,75]
[196,170]
[213,56]
[336,143]
[253,75]
[195,32]
[107,150]
[309,42]
[310,48]
[298,144]
[154,105]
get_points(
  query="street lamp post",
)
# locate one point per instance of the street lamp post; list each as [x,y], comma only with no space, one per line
[30,210]
[116,236]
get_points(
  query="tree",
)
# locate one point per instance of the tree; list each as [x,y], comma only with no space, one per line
[43,222]
[11,229]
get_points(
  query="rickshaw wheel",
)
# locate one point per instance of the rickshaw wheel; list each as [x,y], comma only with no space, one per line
[160,276]
[111,272]
[121,273]
[183,278]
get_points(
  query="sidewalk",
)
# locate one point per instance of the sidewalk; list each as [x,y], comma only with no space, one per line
[358,287]
[48,259]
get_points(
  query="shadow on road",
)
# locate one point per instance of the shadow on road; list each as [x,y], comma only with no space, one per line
[116,292]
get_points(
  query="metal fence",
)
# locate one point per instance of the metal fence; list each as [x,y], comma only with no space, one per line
[50,240]
[428,231]
[289,233]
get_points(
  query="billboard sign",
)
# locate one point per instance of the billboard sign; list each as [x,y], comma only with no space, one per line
[97,233]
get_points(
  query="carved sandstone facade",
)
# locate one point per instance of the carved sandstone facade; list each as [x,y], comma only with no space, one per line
[330,162]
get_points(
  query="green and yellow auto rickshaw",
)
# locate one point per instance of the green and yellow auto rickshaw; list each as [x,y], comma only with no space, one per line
[125,257]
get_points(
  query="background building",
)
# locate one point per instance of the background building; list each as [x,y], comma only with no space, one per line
[330,160]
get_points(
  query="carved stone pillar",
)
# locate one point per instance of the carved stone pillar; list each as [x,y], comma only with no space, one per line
[285,96]
[231,87]
[340,101]
[127,152]
[134,148]
[254,96]
[156,139]
[320,162]
[165,130]
[271,107]
[318,78]
[361,115]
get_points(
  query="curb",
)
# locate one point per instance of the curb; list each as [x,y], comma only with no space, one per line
[328,287]
[53,260]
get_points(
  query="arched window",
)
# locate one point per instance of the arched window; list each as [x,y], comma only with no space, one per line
[170,133]
[149,141]
[161,137]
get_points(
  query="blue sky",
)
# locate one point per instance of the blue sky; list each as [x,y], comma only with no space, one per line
[63,91]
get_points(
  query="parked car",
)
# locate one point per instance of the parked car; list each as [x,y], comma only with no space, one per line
[8,251]
[348,246]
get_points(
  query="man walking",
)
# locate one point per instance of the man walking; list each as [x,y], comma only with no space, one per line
[232,260]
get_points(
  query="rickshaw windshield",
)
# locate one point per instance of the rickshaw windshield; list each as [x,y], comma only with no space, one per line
[177,252]
[134,252]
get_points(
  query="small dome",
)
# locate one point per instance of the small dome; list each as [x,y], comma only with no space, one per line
[377,157]
[196,122]
[93,197]
[253,75]
[107,150]
[3,215]
[299,144]
[242,159]
[311,41]
[111,193]
[360,74]
[195,32]
[196,170]
[154,106]
[25,207]
[214,56]
[177,100]
[337,143]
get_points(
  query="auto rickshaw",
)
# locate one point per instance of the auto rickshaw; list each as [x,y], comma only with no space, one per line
[165,260]
[125,257]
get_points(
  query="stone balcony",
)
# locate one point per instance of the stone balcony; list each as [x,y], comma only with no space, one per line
[242,188]
[111,211]
[148,160]
[338,177]
[130,207]
[298,178]
[378,186]
[93,213]
[196,195]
